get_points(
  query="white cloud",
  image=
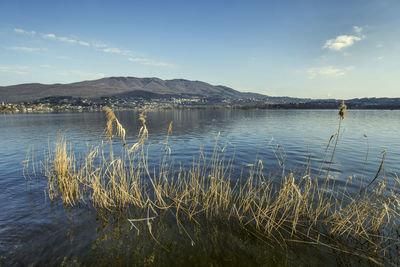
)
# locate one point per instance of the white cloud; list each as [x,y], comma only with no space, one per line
[133,58]
[357,29]
[45,66]
[24,48]
[67,40]
[84,43]
[24,31]
[82,74]
[20,70]
[114,50]
[145,61]
[49,36]
[328,71]
[343,41]
[99,47]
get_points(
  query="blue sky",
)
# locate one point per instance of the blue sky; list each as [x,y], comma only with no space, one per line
[317,49]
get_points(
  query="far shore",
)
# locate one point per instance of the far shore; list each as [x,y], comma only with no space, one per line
[24,108]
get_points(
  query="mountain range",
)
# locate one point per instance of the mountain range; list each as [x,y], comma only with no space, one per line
[131,87]
[120,87]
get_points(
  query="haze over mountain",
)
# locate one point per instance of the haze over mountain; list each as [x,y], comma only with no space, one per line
[120,87]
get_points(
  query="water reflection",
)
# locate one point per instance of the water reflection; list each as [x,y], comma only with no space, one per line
[80,239]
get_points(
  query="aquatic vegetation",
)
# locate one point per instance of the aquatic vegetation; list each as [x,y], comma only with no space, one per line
[342,110]
[285,208]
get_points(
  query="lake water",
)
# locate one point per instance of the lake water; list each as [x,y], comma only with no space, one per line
[34,230]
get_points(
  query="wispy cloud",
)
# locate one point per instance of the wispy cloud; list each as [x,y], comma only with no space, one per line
[25,49]
[52,36]
[67,40]
[49,36]
[114,50]
[328,71]
[343,41]
[20,70]
[24,31]
[83,43]
[146,61]
[82,74]
[99,46]
[357,29]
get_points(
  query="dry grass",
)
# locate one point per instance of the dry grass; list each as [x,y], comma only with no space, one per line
[296,209]
[342,110]
[111,120]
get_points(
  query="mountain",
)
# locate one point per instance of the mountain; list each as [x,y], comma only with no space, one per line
[153,88]
[120,87]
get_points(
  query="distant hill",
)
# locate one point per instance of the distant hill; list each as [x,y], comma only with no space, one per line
[356,103]
[131,87]
[119,86]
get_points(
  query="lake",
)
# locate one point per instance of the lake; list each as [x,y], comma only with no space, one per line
[34,230]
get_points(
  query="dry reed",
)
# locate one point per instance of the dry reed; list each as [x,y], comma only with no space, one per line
[296,209]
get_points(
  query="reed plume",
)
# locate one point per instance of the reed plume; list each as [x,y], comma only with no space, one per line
[169,128]
[143,133]
[111,119]
[342,110]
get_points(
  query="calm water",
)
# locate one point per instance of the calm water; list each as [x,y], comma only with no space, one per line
[35,231]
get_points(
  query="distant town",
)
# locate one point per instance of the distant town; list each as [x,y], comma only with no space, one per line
[127,93]
[77,104]
[74,104]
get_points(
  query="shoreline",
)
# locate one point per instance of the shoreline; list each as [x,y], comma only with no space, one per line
[74,109]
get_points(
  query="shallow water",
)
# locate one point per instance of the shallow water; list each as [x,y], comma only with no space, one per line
[35,231]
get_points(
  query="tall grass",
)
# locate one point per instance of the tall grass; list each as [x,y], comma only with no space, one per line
[284,208]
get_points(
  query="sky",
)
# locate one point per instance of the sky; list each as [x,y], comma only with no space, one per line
[314,49]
